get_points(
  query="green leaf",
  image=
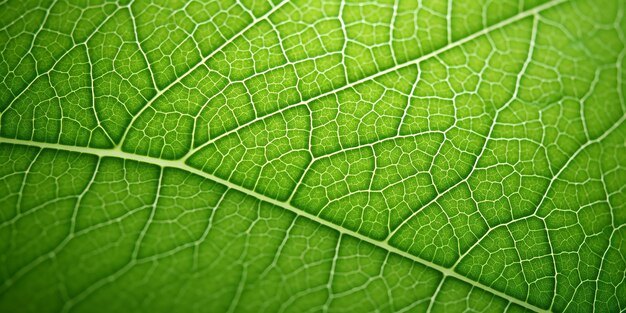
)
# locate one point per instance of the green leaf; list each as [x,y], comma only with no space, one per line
[312,155]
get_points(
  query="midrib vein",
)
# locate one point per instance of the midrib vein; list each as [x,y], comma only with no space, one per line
[178,164]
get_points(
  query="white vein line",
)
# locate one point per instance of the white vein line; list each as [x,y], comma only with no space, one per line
[433,299]
[571,159]
[56,62]
[520,75]
[202,62]
[67,307]
[51,254]
[439,51]
[178,164]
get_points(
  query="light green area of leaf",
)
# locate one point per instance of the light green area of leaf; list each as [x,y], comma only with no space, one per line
[312,156]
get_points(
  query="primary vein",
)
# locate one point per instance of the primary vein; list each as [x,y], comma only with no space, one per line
[102,153]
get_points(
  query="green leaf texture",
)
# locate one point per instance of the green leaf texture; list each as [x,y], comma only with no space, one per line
[312,156]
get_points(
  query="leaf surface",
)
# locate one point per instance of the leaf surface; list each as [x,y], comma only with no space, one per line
[311,155]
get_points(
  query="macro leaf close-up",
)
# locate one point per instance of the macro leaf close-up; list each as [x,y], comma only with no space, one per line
[312,156]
